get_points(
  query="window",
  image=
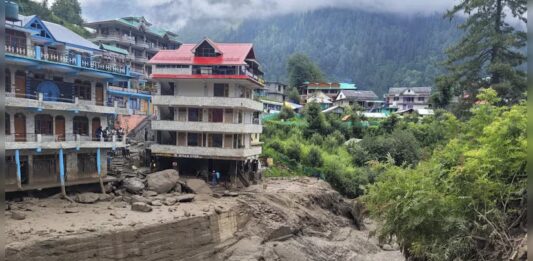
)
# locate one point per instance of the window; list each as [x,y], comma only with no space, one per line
[58,79]
[8,124]
[8,80]
[408,99]
[81,125]
[221,90]
[421,99]
[193,139]
[195,114]
[205,50]
[86,163]
[16,39]
[216,115]
[38,76]
[396,98]
[215,140]
[44,124]
[82,89]
[182,114]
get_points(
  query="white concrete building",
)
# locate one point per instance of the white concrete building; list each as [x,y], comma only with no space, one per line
[207,118]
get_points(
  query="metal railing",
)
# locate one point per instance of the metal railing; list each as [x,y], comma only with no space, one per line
[64,58]
[64,137]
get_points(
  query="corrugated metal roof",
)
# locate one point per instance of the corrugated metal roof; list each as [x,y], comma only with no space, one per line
[418,90]
[359,95]
[232,54]
[114,49]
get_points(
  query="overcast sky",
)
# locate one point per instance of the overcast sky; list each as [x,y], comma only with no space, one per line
[173,14]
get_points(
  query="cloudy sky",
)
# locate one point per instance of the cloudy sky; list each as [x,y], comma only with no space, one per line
[174,14]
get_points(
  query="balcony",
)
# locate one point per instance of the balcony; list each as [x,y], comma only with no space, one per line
[65,141]
[141,59]
[207,72]
[218,127]
[154,47]
[205,152]
[52,59]
[142,44]
[39,102]
[211,102]
[125,39]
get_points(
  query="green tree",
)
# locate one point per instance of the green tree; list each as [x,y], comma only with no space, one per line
[489,54]
[69,10]
[293,95]
[316,122]
[301,68]
[286,113]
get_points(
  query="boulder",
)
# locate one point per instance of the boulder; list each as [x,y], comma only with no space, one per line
[17,215]
[198,186]
[227,193]
[156,203]
[133,185]
[141,207]
[162,181]
[87,197]
[137,198]
[185,198]
[149,193]
[170,201]
[105,197]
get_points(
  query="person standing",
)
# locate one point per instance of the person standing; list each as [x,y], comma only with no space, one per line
[213,178]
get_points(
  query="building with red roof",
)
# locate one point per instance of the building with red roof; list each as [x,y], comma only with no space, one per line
[207,118]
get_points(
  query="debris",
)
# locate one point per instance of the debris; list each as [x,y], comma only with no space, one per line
[227,193]
[69,211]
[162,181]
[17,215]
[105,197]
[137,198]
[133,185]
[219,209]
[118,215]
[185,198]
[87,197]
[141,207]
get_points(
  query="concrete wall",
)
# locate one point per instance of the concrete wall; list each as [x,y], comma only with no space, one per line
[195,238]
[207,152]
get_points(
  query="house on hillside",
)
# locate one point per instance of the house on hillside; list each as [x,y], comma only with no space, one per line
[402,98]
[319,97]
[368,100]
[330,89]
[273,91]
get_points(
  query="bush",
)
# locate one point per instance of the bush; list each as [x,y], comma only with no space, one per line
[293,151]
[314,158]
[286,113]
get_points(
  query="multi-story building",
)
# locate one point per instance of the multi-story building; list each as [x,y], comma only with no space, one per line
[136,38]
[273,91]
[330,89]
[403,98]
[56,90]
[206,115]
[368,100]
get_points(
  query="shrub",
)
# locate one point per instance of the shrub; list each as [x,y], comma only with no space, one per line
[314,158]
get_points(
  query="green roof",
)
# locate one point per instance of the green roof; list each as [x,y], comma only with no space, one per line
[349,86]
[154,30]
[114,49]
[342,86]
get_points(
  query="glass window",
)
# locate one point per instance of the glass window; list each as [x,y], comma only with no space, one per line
[83,89]
[8,80]
[8,124]
[195,114]
[221,90]
[421,99]
[80,125]
[43,124]
[193,139]
[215,140]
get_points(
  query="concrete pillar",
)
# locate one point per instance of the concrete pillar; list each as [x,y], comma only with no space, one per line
[72,164]
[30,169]
[12,71]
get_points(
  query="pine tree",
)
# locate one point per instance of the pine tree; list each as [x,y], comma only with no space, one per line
[489,54]
[301,69]
[69,10]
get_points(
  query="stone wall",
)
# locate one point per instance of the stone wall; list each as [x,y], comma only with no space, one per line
[195,238]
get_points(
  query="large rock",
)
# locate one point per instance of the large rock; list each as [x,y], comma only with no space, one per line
[162,181]
[185,198]
[133,185]
[17,215]
[141,207]
[87,197]
[199,186]
[137,198]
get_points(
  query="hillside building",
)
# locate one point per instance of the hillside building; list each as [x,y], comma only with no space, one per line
[331,89]
[207,118]
[403,98]
[368,100]
[56,90]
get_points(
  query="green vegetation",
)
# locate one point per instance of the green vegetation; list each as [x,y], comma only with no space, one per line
[302,69]
[489,54]
[63,12]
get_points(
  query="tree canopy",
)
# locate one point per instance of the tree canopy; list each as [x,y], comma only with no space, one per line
[301,68]
[489,55]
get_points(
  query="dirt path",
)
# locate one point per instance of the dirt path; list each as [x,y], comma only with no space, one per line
[297,219]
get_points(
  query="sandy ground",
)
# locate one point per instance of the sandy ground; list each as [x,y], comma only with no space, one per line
[299,206]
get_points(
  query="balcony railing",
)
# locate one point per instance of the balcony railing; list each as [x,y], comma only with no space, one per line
[114,37]
[64,58]
[66,137]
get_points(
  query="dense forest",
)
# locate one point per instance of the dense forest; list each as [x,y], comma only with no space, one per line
[373,50]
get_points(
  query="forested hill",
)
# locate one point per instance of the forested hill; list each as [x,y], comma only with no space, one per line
[373,50]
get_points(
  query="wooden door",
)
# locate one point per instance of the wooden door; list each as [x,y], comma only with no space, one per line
[60,128]
[99,95]
[20,85]
[20,127]
[94,126]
